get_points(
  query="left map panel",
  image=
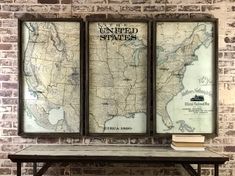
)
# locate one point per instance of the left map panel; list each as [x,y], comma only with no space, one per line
[50,77]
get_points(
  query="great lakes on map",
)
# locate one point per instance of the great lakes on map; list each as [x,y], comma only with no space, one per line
[184,77]
[117,77]
[51,76]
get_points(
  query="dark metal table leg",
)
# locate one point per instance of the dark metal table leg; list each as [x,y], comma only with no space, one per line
[18,171]
[34,169]
[199,169]
[216,170]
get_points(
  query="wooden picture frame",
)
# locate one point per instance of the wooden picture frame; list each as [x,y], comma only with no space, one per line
[185,54]
[50,77]
[114,105]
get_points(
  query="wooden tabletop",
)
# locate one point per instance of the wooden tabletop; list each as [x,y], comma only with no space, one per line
[52,153]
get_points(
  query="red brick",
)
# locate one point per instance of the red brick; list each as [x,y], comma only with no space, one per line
[230,132]
[8,54]
[6,15]
[12,148]
[13,8]
[38,8]
[130,9]
[4,78]
[141,141]
[6,62]
[117,141]
[203,1]
[229,39]
[220,1]
[141,1]
[5,140]
[12,38]
[5,93]
[5,46]
[94,1]
[48,1]
[161,1]
[9,85]
[118,1]
[77,141]
[229,70]
[231,24]
[171,1]
[226,109]
[26,1]
[9,132]
[6,109]
[8,70]
[6,1]
[95,140]
[66,141]
[54,8]
[66,1]
[171,8]
[173,15]
[5,171]
[96,16]
[6,124]
[9,101]
[190,8]
[19,140]
[47,140]
[9,117]
[108,9]
[229,148]
[206,8]
[229,55]
[154,8]
[226,63]
[3,155]
[83,8]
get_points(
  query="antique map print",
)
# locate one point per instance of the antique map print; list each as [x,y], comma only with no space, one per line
[117,77]
[184,77]
[51,77]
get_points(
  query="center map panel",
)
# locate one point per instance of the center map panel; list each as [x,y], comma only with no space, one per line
[118,60]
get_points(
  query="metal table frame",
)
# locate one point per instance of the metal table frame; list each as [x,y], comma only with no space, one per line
[107,154]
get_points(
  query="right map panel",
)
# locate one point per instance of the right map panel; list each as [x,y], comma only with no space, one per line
[185,81]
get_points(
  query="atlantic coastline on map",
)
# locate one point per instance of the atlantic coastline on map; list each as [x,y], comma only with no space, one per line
[117,77]
[184,77]
[51,76]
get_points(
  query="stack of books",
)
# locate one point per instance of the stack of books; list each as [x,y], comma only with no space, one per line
[188,142]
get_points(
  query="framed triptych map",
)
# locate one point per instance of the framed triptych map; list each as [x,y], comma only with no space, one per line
[50,76]
[185,76]
[117,73]
[117,77]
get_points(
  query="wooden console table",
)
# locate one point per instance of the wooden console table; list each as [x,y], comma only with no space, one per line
[50,154]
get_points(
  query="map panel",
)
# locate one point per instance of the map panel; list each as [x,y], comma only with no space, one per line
[51,77]
[184,77]
[117,77]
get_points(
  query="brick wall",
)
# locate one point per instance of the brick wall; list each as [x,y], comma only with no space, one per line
[10,142]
